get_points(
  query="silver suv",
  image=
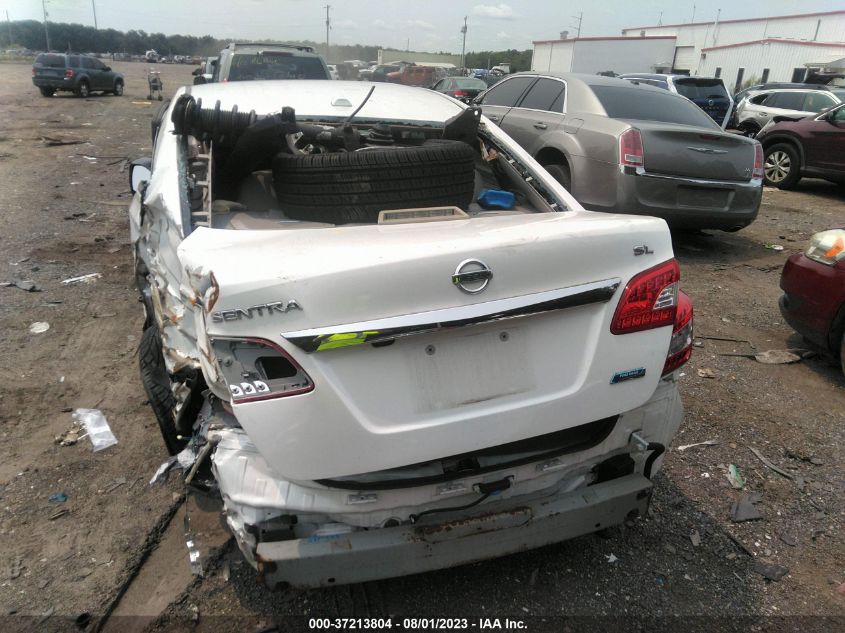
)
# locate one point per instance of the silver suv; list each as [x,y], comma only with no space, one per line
[248,62]
[757,109]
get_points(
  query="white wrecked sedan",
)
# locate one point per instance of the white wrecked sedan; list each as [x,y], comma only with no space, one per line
[388,337]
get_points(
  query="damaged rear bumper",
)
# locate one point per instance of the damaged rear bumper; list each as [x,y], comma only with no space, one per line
[408,549]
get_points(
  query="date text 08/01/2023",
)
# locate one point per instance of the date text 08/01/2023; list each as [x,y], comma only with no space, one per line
[415,624]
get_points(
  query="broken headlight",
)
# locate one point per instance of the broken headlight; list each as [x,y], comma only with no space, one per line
[256,369]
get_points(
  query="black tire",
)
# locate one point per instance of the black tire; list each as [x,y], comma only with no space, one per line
[354,186]
[47,92]
[560,173]
[749,129]
[156,383]
[83,89]
[782,166]
[118,88]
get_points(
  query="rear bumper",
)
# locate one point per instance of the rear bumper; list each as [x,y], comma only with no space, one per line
[813,297]
[57,83]
[388,552]
[689,203]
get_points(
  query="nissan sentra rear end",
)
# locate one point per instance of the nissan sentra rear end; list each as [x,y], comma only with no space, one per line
[383,367]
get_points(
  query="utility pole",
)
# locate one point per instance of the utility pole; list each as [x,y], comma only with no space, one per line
[46,28]
[94,9]
[580,18]
[463,46]
[693,15]
[659,19]
[328,26]
[9,24]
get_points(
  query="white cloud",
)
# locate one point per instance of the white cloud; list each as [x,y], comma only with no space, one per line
[496,11]
[381,24]
[421,24]
[345,24]
[502,35]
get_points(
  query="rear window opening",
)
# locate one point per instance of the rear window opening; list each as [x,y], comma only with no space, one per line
[280,172]
[701,89]
[49,60]
[650,105]
[275,65]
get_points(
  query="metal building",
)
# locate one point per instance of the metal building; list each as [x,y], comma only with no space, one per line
[695,38]
[771,59]
[594,55]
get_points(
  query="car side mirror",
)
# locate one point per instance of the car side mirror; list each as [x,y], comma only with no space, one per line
[140,171]
[108,68]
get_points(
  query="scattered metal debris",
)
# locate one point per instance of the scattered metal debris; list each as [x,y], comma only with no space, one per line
[775,356]
[704,443]
[744,508]
[51,141]
[58,514]
[85,279]
[769,464]
[26,285]
[725,338]
[97,428]
[117,483]
[706,373]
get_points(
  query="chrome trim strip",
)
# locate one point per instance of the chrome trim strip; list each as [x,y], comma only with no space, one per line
[696,181]
[390,328]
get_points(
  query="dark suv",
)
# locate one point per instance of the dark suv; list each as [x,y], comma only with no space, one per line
[809,146]
[80,74]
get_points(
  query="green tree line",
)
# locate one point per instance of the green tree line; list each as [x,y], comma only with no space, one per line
[29,34]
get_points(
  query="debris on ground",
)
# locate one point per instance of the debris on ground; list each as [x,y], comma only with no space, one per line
[16,568]
[706,373]
[773,247]
[769,571]
[84,279]
[704,443]
[57,497]
[58,514]
[769,464]
[789,539]
[611,558]
[695,538]
[69,437]
[39,327]
[776,356]
[23,284]
[114,485]
[97,427]
[54,141]
[735,477]
[744,508]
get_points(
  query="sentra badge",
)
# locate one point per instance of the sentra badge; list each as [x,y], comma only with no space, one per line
[263,309]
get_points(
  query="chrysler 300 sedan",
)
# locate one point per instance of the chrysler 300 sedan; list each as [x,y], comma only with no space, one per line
[628,148]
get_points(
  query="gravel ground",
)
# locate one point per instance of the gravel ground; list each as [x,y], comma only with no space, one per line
[685,565]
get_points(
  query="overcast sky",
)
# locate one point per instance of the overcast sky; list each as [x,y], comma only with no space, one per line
[429,25]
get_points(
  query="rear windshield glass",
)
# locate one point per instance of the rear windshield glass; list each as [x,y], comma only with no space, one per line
[840,94]
[649,105]
[275,66]
[700,89]
[51,61]
[470,84]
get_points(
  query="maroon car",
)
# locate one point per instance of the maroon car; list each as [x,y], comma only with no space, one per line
[810,146]
[813,283]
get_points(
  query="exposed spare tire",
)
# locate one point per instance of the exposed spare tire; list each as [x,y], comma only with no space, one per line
[354,186]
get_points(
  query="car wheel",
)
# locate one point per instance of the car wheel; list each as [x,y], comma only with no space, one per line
[83,90]
[118,88]
[157,384]
[781,166]
[355,186]
[47,92]
[560,173]
[749,129]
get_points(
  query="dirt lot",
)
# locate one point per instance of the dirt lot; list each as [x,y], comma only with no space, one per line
[64,215]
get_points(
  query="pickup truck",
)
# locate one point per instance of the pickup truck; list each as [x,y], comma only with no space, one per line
[383,369]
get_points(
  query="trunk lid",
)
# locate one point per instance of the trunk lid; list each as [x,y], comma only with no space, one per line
[442,391]
[695,152]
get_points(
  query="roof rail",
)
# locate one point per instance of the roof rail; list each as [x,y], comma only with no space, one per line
[299,47]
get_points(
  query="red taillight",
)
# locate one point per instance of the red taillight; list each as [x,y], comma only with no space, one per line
[757,174]
[650,300]
[680,345]
[460,93]
[69,73]
[33,71]
[631,148]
